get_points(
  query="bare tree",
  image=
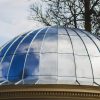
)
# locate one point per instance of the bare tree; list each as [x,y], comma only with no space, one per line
[91,14]
[69,13]
[58,12]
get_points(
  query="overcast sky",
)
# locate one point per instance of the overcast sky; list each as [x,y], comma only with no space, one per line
[14,19]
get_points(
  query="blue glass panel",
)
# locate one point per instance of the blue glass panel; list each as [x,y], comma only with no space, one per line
[18,64]
[7,59]
[53,31]
[4,45]
[2,52]
[37,42]
[5,66]
[16,69]
[13,47]
[2,80]
[32,66]
[31,80]
[23,47]
[0,69]
[0,59]
[11,50]
[1,74]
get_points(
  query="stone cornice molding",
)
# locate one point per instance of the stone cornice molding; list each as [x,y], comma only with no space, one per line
[73,92]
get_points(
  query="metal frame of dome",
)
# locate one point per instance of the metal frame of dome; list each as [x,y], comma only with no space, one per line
[16,55]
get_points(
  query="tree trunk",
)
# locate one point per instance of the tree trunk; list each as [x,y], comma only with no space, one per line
[75,22]
[87,15]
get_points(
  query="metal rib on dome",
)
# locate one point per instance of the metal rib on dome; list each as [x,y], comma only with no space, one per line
[52,55]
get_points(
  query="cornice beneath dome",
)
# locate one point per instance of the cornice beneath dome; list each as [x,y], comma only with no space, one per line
[49,92]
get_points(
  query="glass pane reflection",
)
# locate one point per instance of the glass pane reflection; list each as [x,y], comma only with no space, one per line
[45,56]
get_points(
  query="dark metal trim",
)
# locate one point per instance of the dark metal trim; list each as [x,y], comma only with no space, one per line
[88,56]
[73,56]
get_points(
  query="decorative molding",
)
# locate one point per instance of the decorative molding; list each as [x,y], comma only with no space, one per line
[74,92]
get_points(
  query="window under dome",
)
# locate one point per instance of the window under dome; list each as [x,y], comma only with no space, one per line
[51,55]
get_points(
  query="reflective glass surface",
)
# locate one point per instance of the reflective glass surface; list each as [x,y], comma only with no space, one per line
[51,55]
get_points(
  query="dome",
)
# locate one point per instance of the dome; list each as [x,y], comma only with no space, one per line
[51,55]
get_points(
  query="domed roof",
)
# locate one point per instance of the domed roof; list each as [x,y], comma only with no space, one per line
[51,55]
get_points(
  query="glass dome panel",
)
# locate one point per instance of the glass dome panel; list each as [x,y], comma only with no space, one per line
[50,41]
[64,45]
[66,65]
[51,55]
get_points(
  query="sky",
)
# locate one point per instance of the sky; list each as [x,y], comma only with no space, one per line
[14,19]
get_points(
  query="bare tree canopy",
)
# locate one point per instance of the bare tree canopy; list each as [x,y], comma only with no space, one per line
[83,14]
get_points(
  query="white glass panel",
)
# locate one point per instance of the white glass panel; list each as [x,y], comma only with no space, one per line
[66,65]
[85,81]
[62,31]
[47,80]
[92,49]
[49,46]
[88,33]
[64,44]
[83,67]
[82,34]
[51,41]
[96,66]
[71,32]
[97,81]
[97,41]
[78,46]
[66,80]
[48,64]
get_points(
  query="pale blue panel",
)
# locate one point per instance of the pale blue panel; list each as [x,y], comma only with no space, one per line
[31,68]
